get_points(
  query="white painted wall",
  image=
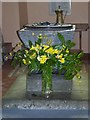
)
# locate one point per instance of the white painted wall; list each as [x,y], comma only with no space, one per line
[10,21]
[38,12]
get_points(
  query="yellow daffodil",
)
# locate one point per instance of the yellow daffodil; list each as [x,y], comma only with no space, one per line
[42,59]
[26,51]
[49,42]
[50,50]
[45,47]
[24,61]
[33,56]
[62,60]
[56,51]
[40,36]
[59,51]
[29,62]
[38,58]
[25,55]
[36,48]
[64,46]
[78,76]
[67,51]
[32,48]
[59,56]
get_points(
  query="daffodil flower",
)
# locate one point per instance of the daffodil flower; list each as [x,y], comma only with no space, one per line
[56,51]
[67,51]
[42,59]
[38,58]
[25,55]
[49,42]
[62,60]
[26,51]
[50,50]
[59,56]
[29,62]
[78,76]
[64,46]
[24,61]
[40,36]
[33,56]
[32,48]
[36,48]
[45,47]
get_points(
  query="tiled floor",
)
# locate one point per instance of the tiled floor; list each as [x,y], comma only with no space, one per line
[7,80]
[21,107]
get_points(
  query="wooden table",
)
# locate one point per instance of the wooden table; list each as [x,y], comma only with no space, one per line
[80,27]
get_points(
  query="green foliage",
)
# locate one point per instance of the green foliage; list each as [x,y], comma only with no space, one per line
[68,43]
[42,56]
[61,38]
[30,44]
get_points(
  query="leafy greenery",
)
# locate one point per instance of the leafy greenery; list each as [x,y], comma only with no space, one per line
[40,55]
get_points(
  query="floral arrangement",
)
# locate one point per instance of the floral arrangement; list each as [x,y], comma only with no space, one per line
[58,56]
[46,57]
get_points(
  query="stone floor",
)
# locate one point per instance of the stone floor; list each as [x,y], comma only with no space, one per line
[13,78]
[7,80]
[15,102]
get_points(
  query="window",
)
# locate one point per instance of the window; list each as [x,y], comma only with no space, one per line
[65,6]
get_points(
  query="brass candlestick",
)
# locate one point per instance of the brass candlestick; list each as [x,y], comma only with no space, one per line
[59,16]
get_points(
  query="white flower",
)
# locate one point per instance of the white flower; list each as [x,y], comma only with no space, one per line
[38,58]
[25,55]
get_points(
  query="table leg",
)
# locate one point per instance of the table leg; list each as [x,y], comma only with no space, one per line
[80,40]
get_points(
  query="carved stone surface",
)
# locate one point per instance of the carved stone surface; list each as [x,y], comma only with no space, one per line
[61,88]
[25,34]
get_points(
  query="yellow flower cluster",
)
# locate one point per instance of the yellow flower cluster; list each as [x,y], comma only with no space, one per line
[42,59]
[36,48]
[61,59]
[40,36]
[33,56]
[67,51]
[13,50]
[26,51]
[52,51]
[45,47]
[26,62]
